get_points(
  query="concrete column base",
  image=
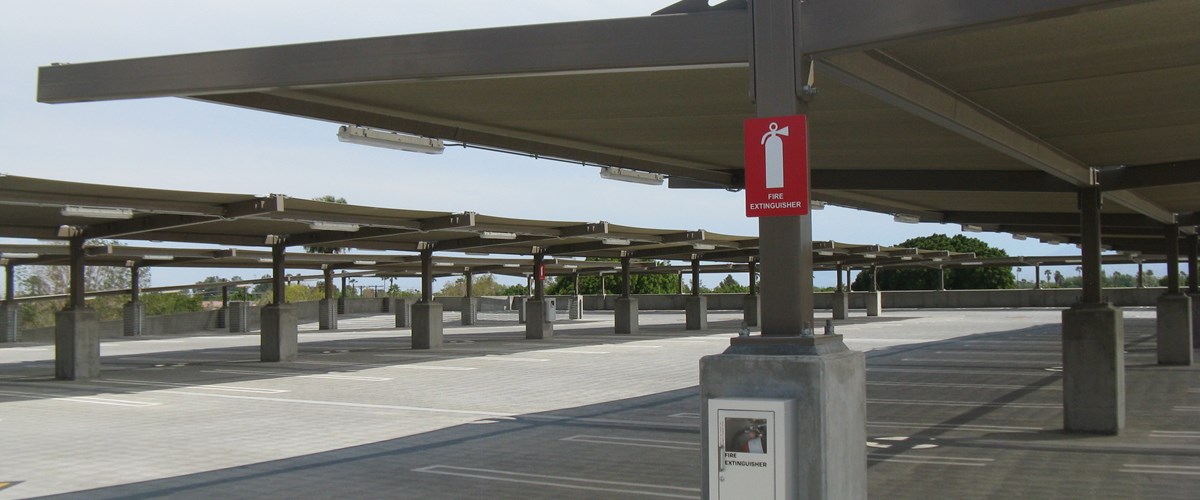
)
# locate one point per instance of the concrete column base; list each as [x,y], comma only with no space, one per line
[223,318]
[522,314]
[750,310]
[874,302]
[134,318]
[536,326]
[1093,344]
[427,325]
[341,305]
[403,309]
[1195,319]
[385,304]
[697,312]
[327,315]
[10,320]
[575,307]
[279,338]
[841,305]
[469,307]
[827,382]
[238,316]
[76,344]
[626,315]
[1175,330]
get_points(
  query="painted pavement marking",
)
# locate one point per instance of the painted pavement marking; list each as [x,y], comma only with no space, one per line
[972,404]
[208,387]
[961,372]
[370,365]
[80,399]
[327,376]
[371,406]
[625,441]
[1175,434]
[576,483]
[1183,470]
[930,460]
[961,386]
[963,427]
[958,360]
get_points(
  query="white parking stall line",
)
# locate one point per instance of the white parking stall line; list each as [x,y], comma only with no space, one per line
[963,427]
[630,346]
[371,365]
[992,361]
[344,404]
[496,357]
[576,483]
[930,460]
[961,372]
[1182,470]
[962,386]
[207,387]
[684,415]
[435,368]
[80,399]
[327,376]
[1187,408]
[1175,434]
[25,349]
[625,441]
[963,403]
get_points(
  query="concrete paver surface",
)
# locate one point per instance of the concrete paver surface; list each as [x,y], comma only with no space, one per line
[961,404]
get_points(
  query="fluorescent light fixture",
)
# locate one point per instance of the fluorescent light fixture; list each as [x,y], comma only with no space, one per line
[364,262]
[631,175]
[703,246]
[1073,261]
[383,139]
[905,218]
[826,253]
[971,228]
[615,241]
[273,239]
[1020,237]
[512,265]
[97,212]
[264,260]
[18,255]
[497,235]
[443,264]
[975,263]
[906,257]
[158,257]
[333,226]
[937,259]
[816,205]
[477,253]
[570,266]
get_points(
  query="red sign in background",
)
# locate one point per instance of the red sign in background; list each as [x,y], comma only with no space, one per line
[777,166]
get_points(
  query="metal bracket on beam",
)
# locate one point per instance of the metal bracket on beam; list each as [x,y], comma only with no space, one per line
[257,206]
[465,219]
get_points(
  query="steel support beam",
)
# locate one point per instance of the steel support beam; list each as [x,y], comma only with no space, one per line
[426,275]
[1144,176]
[891,81]
[1089,209]
[278,274]
[940,180]
[77,284]
[626,285]
[1193,246]
[1172,243]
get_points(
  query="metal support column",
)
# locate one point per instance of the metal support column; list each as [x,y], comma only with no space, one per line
[133,314]
[469,302]
[1037,275]
[750,304]
[1193,247]
[1174,316]
[1093,340]
[9,311]
[539,323]
[826,382]
[696,306]
[327,306]
[279,334]
[426,314]
[625,314]
[76,328]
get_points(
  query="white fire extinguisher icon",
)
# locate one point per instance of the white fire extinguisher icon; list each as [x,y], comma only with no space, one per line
[773,153]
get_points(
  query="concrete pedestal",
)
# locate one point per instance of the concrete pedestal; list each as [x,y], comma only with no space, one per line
[426,325]
[575,307]
[827,383]
[403,308]
[469,307]
[341,305]
[697,312]
[386,304]
[536,326]
[327,315]
[626,315]
[1093,344]
[1195,319]
[1175,330]
[841,305]
[279,337]
[521,312]
[10,319]
[874,302]
[238,316]
[750,310]
[133,317]
[223,318]
[76,344]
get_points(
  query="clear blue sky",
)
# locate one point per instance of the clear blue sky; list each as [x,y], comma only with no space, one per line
[180,144]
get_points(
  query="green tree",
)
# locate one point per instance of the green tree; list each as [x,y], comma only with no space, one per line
[482,285]
[730,285]
[54,280]
[213,291]
[319,249]
[158,304]
[956,278]
[638,283]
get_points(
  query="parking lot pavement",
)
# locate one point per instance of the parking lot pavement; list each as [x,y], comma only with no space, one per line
[961,404]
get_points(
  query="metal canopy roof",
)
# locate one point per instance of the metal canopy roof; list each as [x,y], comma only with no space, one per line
[982,113]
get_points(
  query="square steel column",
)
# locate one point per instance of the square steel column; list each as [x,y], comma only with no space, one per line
[823,378]
[841,302]
[626,313]
[426,314]
[1174,311]
[696,306]
[750,304]
[1193,247]
[1093,341]
[469,302]
[76,328]
[327,314]
[10,312]
[279,336]
[537,326]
